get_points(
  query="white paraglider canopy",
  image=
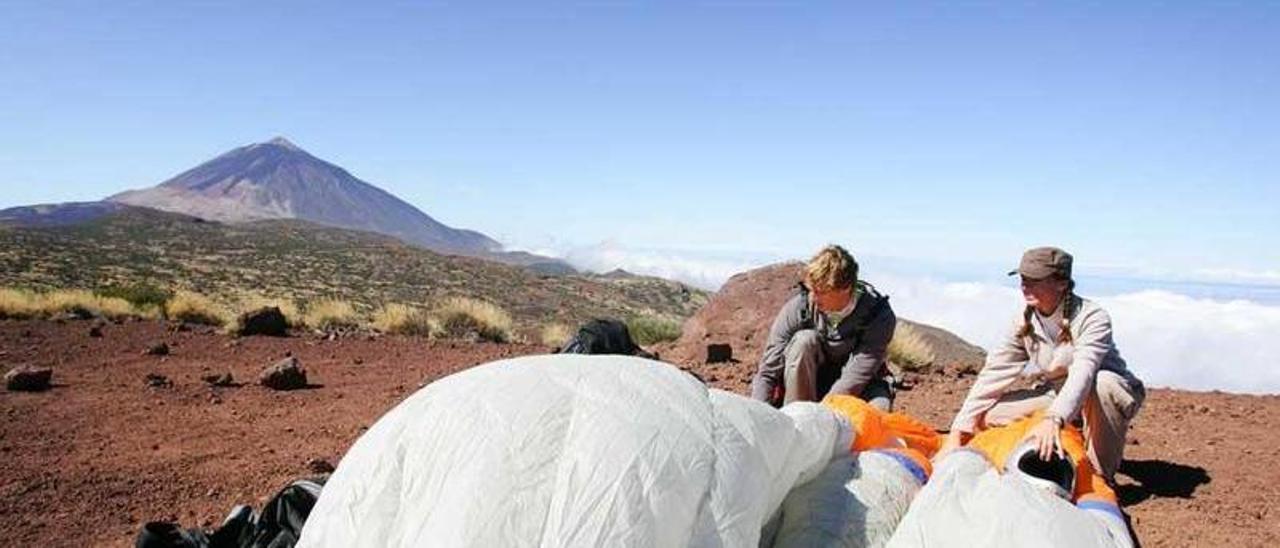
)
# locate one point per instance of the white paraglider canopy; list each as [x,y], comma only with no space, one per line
[570,450]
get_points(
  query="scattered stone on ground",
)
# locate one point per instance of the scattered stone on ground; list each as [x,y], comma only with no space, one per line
[286,374]
[159,349]
[26,378]
[156,380]
[719,353]
[268,321]
[215,379]
[74,313]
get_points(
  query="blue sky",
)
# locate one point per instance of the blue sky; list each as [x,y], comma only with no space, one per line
[1142,137]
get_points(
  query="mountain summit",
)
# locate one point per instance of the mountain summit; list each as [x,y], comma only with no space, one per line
[279,180]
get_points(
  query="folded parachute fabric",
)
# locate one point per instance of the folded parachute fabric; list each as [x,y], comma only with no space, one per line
[856,501]
[978,496]
[861,496]
[895,432]
[578,450]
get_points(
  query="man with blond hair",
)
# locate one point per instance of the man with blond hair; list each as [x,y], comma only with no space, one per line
[830,338]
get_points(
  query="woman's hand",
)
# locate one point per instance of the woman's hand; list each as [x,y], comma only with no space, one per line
[1045,436]
[953,441]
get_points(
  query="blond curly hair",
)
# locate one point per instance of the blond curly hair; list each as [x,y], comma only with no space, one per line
[832,268]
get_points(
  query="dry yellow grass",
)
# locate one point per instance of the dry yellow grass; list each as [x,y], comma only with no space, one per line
[20,303]
[461,317]
[555,334]
[405,320]
[909,349]
[328,314]
[150,312]
[80,301]
[192,307]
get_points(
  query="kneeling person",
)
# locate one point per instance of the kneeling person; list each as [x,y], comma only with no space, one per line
[831,338]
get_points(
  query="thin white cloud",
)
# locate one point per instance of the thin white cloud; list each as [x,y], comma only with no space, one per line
[706,270]
[1236,275]
[1209,275]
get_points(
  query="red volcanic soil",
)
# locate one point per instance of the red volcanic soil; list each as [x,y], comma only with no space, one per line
[102,452]
[89,461]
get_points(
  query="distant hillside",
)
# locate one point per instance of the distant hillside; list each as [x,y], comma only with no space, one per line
[278,180]
[290,258]
[45,215]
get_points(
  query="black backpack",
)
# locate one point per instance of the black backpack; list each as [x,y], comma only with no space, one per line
[604,336]
[278,526]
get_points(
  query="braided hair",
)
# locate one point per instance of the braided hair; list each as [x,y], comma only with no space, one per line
[1070,304]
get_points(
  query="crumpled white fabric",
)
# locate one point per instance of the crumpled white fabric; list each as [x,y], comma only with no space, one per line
[968,503]
[856,502]
[572,450]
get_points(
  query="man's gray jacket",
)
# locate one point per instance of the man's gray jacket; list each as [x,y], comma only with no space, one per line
[860,343]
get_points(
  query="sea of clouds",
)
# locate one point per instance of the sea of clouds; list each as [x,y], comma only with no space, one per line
[1171,336]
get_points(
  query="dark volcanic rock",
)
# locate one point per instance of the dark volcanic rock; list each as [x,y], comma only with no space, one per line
[224,379]
[161,349]
[156,380]
[28,379]
[269,321]
[719,353]
[286,374]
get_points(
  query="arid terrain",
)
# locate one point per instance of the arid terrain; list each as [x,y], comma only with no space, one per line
[88,462]
[306,263]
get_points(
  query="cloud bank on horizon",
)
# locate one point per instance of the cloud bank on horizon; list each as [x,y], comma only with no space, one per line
[705,270]
[1169,339]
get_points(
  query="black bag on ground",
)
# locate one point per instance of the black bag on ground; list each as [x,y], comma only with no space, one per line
[278,526]
[604,336]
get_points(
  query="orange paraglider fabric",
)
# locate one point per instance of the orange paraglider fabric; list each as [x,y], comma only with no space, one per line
[997,443]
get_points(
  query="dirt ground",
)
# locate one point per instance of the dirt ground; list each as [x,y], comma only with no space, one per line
[88,462]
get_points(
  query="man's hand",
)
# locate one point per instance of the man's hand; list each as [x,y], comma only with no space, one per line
[1045,437]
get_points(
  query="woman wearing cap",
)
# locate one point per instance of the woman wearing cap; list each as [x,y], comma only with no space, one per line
[1062,344]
